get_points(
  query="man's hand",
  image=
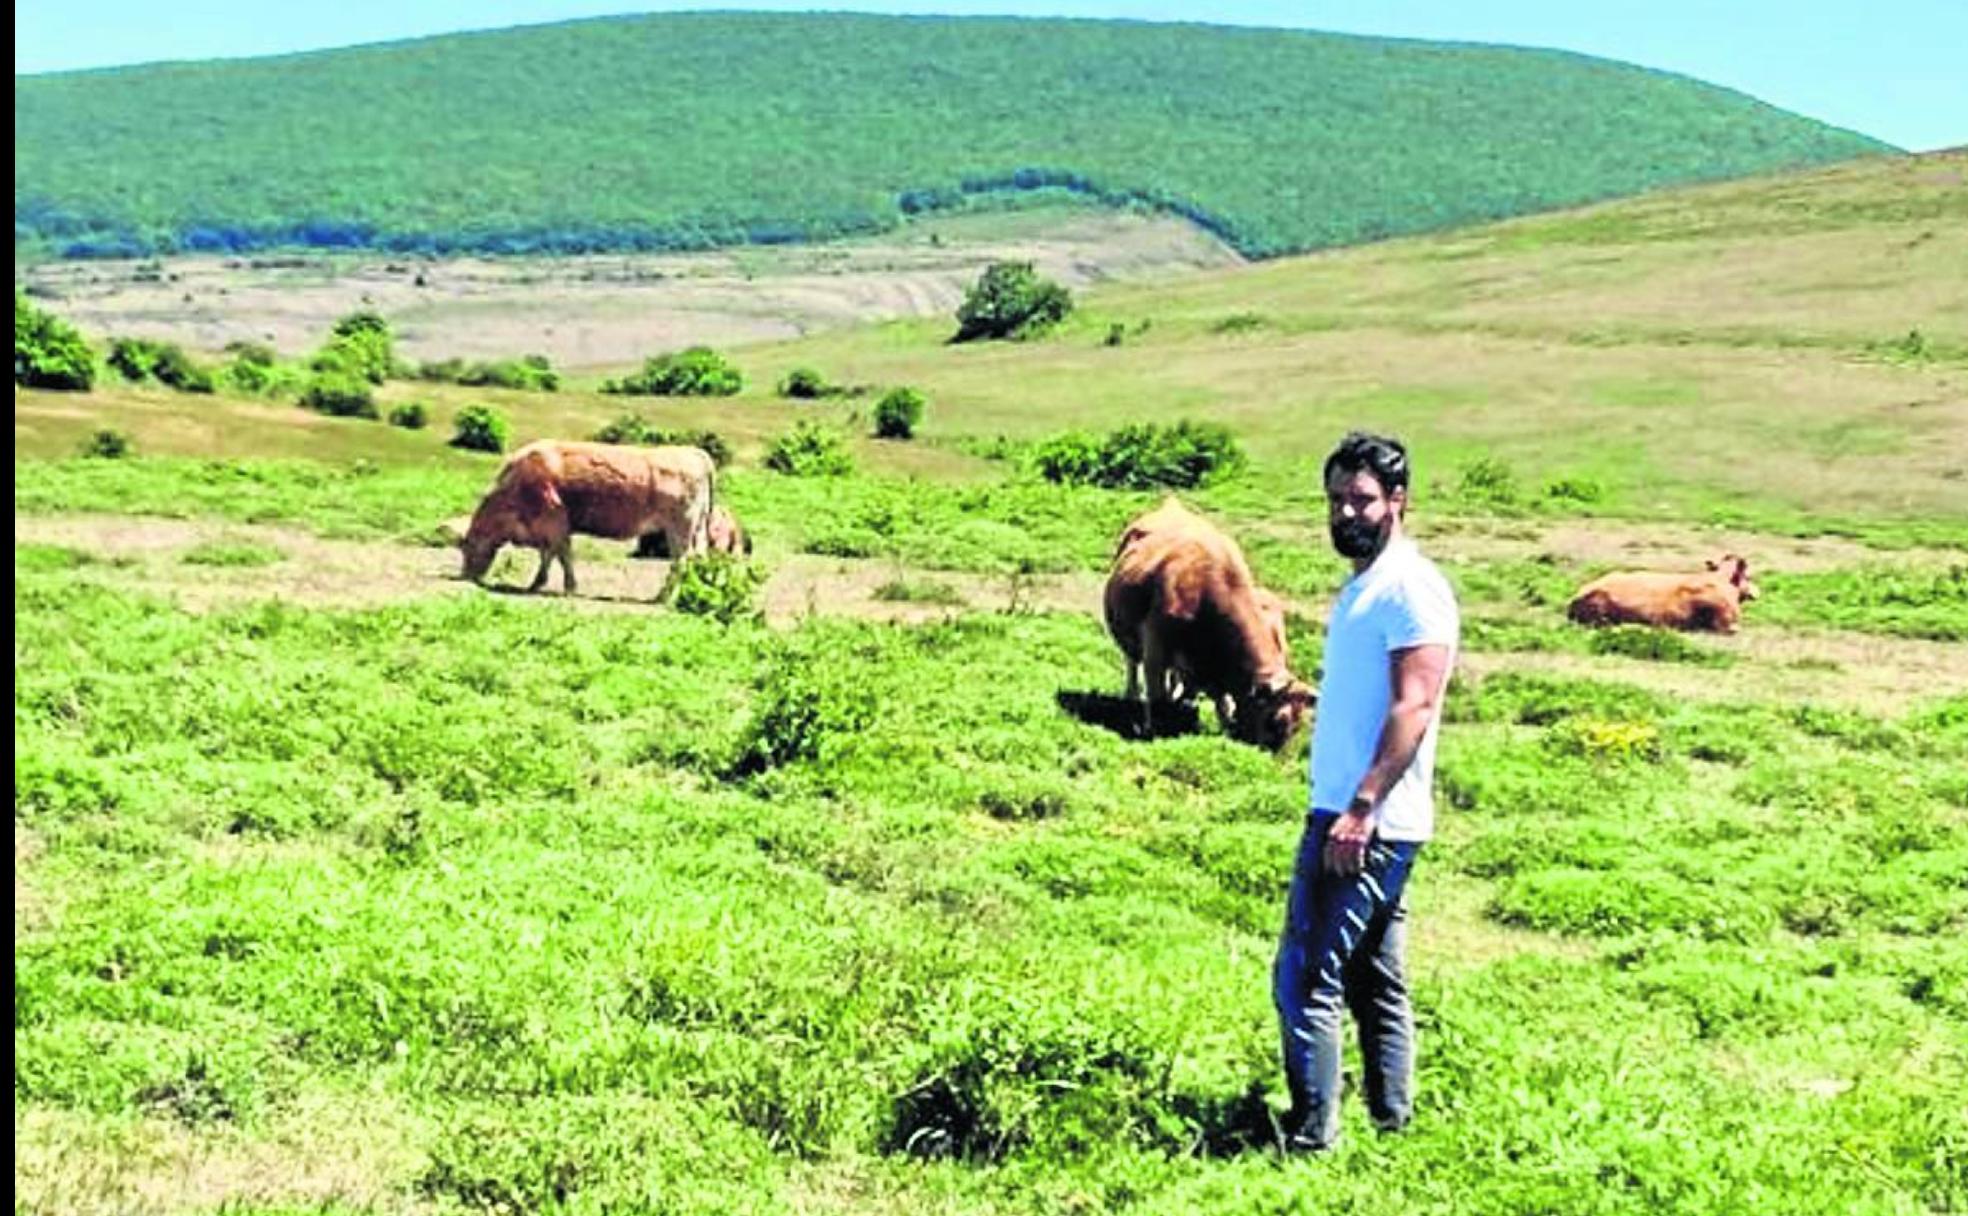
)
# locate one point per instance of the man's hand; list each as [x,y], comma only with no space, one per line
[1346,841]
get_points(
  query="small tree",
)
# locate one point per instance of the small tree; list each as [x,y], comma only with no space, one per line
[48,352]
[898,414]
[1010,300]
[479,428]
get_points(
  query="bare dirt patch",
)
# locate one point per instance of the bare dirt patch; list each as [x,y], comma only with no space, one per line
[1862,671]
[146,553]
[603,310]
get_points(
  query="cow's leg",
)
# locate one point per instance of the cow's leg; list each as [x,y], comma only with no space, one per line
[566,556]
[1133,677]
[1154,663]
[540,575]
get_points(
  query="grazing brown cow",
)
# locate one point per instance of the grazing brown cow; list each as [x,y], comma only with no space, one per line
[551,490]
[1186,613]
[1711,601]
[726,536]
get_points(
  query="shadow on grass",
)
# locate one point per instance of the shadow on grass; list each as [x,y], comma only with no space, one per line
[552,592]
[1231,1126]
[1123,717]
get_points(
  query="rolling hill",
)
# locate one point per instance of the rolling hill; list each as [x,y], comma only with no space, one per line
[696,130]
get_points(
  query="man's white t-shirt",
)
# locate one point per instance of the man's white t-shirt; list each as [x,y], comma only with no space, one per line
[1398,602]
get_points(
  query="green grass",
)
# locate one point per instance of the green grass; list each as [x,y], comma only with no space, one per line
[477,902]
[492,869]
[232,553]
[1279,140]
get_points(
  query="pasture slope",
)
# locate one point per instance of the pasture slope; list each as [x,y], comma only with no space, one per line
[333,895]
[688,130]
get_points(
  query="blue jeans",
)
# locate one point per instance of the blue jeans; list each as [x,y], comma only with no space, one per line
[1341,946]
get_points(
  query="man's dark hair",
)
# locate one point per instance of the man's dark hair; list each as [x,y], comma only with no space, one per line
[1382,455]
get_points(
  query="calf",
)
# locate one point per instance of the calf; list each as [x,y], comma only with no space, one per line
[1708,601]
[726,535]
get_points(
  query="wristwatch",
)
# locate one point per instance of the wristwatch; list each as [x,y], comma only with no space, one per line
[1362,803]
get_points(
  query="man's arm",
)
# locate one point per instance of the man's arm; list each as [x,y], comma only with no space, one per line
[1419,675]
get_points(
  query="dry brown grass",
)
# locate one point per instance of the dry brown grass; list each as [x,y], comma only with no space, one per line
[322,1151]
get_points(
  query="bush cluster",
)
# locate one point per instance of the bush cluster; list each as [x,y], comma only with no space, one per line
[810,450]
[480,428]
[48,351]
[340,394]
[360,346]
[1142,456]
[716,585]
[143,359]
[411,416]
[531,373]
[696,372]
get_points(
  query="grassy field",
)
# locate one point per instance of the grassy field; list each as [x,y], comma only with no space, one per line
[691,130]
[341,886]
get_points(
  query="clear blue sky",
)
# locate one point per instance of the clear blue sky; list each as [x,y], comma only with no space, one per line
[1892,69]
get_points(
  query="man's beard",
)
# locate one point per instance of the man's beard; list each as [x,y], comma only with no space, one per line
[1356,539]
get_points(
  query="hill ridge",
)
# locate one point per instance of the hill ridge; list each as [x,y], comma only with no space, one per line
[696,130]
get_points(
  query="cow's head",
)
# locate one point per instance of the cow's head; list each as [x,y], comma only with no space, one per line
[479,545]
[1736,570]
[727,535]
[1269,717]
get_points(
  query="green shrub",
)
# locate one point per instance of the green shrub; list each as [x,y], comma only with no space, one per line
[717,585]
[109,444]
[1116,334]
[411,416]
[696,372]
[339,394]
[898,414]
[361,346]
[1487,479]
[256,369]
[532,373]
[810,450]
[1142,456]
[635,429]
[48,351]
[1574,489]
[810,705]
[141,359]
[1010,300]
[480,428]
[805,384]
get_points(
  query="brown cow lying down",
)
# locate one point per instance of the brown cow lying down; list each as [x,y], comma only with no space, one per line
[1711,601]
[1185,611]
[726,536]
[551,490]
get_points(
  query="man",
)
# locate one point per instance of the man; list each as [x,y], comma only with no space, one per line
[1390,642]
